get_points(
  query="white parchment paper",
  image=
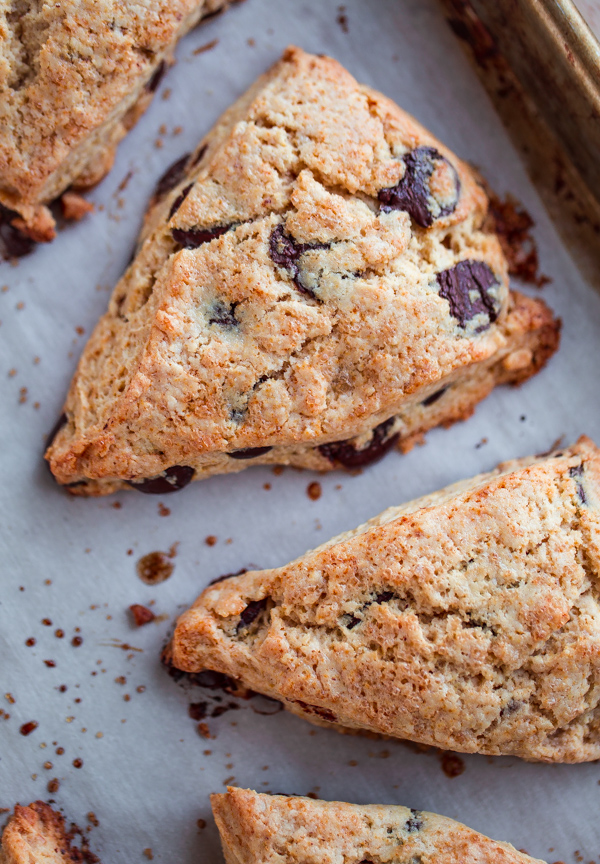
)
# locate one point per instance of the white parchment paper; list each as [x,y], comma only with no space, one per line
[146,772]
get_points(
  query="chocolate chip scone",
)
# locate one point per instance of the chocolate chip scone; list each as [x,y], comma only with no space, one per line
[256,828]
[468,619]
[38,835]
[74,78]
[315,288]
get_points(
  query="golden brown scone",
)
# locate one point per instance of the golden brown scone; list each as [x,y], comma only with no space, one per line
[256,828]
[37,835]
[317,274]
[468,619]
[74,78]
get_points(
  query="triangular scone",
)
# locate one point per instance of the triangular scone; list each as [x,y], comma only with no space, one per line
[256,828]
[37,835]
[61,115]
[319,274]
[468,619]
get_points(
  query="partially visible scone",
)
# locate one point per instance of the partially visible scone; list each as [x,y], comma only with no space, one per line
[74,78]
[314,287]
[468,619]
[37,835]
[256,828]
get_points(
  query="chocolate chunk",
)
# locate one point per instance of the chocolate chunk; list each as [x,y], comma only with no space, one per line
[153,83]
[179,201]
[62,421]
[228,576]
[510,708]
[224,315]
[434,397]
[413,194]
[324,713]
[172,177]
[286,252]
[346,454]
[251,612]
[199,156]
[415,823]
[466,287]
[194,237]
[249,452]
[384,597]
[13,243]
[576,472]
[352,622]
[211,680]
[172,480]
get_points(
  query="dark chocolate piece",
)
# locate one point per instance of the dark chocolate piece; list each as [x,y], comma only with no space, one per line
[412,193]
[228,576]
[179,201]
[193,237]
[324,713]
[13,243]
[576,472]
[415,823]
[434,397]
[347,455]
[286,252]
[172,480]
[62,421]
[153,83]
[251,612]
[224,315]
[384,597]
[249,452]
[172,177]
[466,288]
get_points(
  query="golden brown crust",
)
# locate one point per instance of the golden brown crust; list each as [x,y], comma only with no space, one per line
[62,116]
[37,835]
[468,620]
[257,828]
[232,346]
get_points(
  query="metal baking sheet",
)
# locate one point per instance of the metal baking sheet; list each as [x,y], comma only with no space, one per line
[146,772]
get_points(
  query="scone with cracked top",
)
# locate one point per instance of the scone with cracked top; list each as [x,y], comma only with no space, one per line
[468,619]
[75,76]
[257,828]
[311,287]
[37,835]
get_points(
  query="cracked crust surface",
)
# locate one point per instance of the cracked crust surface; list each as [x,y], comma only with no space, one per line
[257,828]
[74,78]
[279,300]
[37,835]
[468,619]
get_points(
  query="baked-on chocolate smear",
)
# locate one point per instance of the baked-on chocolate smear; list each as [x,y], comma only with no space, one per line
[13,243]
[172,480]
[347,455]
[413,194]
[191,238]
[466,287]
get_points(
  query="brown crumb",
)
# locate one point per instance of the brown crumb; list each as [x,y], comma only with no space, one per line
[251,42]
[162,510]
[342,18]
[125,182]
[141,614]
[313,490]
[155,567]
[201,823]
[210,540]
[167,93]
[53,785]
[207,47]
[75,207]
[266,486]
[452,764]
[91,817]
[278,470]
[149,854]
[204,731]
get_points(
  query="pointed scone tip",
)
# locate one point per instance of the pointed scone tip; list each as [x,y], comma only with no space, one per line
[49,143]
[468,619]
[37,834]
[257,828]
[315,289]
